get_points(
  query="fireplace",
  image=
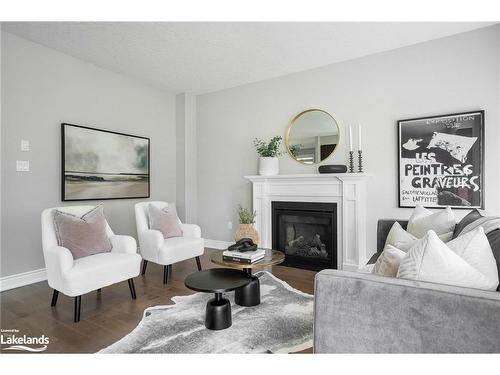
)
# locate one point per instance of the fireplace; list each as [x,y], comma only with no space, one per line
[306,232]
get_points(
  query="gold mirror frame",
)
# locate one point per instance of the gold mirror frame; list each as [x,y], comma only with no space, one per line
[289,127]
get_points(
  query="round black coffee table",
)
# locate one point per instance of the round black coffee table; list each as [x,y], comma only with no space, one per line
[249,295]
[218,281]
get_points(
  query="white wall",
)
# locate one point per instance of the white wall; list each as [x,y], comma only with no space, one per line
[42,88]
[453,74]
[185,113]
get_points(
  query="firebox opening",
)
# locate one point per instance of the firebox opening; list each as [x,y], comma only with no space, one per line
[306,232]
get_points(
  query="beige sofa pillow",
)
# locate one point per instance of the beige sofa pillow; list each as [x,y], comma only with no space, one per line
[388,262]
[82,236]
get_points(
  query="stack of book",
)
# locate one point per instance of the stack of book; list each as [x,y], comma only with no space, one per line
[248,257]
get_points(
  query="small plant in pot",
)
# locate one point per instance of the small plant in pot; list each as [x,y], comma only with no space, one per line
[268,152]
[247,229]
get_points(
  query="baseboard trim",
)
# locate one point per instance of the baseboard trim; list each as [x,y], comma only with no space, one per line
[216,244]
[22,279]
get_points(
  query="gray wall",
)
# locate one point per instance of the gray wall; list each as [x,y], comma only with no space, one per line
[42,88]
[453,74]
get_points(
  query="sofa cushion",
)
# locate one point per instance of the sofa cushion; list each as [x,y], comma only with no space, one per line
[475,249]
[434,261]
[422,220]
[494,240]
[82,236]
[388,262]
[383,228]
[400,238]
[466,220]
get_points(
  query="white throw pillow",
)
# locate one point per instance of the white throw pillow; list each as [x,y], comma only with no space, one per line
[430,259]
[422,220]
[475,249]
[403,240]
[388,262]
[400,238]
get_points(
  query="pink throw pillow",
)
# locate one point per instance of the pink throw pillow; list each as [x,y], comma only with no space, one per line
[164,221]
[82,236]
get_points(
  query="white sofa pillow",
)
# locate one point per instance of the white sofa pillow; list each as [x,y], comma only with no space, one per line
[388,262]
[403,240]
[475,249]
[430,259]
[400,238]
[422,220]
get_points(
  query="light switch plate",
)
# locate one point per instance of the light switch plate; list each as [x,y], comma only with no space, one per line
[25,145]
[22,166]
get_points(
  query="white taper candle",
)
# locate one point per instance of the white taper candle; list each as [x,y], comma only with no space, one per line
[359,138]
[350,138]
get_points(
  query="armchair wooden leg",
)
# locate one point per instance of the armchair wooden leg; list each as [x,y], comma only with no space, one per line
[166,270]
[198,263]
[170,271]
[144,266]
[54,298]
[99,290]
[78,305]
[132,288]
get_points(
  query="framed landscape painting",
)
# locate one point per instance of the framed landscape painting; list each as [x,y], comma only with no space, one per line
[100,164]
[441,161]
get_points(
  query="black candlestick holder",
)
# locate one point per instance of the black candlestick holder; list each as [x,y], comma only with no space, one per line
[351,161]
[360,161]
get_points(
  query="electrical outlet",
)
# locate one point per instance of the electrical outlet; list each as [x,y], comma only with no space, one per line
[22,166]
[229,225]
[25,145]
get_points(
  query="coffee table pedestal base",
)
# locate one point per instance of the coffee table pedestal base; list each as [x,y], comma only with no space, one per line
[248,295]
[218,313]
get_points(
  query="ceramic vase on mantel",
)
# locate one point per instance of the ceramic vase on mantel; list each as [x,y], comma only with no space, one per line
[247,231]
[269,166]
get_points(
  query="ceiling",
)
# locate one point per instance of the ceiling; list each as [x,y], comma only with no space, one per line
[210,56]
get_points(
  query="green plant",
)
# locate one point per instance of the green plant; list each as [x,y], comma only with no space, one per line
[271,149]
[246,216]
[295,150]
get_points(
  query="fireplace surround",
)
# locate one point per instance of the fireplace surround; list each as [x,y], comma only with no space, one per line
[346,190]
[306,232]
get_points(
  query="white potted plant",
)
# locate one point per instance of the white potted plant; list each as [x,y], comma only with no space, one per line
[268,152]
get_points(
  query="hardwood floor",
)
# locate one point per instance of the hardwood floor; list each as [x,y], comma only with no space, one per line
[111,314]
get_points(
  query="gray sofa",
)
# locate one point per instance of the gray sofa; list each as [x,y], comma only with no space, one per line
[363,313]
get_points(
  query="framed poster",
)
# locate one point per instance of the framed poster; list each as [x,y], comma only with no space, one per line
[101,164]
[441,161]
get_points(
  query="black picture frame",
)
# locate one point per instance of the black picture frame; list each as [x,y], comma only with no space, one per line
[64,194]
[440,133]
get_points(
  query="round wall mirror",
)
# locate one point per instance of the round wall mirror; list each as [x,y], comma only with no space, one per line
[312,136]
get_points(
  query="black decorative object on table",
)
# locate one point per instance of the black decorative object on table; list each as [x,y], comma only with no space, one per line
[217,281]
[243,245]
[351,161]
[360,161]
[332,168]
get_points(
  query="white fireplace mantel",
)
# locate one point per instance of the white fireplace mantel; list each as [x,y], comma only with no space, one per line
[347,190]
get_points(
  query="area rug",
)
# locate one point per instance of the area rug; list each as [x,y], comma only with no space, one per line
[282,323]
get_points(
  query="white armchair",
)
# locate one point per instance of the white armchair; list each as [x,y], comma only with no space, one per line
[166,251]
[75,277]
